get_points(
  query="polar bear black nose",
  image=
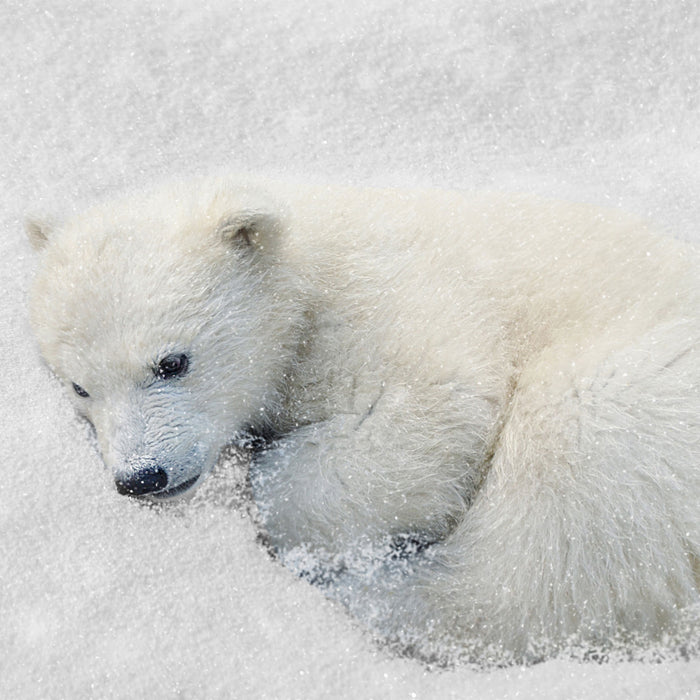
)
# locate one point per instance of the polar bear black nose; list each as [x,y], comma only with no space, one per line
[141,481]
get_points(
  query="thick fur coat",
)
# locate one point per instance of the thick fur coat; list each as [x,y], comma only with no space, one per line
[510,382]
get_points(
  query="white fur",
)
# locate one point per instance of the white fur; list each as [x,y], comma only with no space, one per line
[516,380]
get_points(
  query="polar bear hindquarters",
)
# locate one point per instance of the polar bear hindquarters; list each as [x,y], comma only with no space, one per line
[585,528]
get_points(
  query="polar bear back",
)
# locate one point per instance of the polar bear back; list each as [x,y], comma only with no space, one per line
[515,272]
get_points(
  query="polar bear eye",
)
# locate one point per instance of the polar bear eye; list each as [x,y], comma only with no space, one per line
[172,366]
[80,391]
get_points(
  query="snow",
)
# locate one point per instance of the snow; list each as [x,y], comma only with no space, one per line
[103,597]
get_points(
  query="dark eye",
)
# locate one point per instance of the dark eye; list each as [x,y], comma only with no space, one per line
[172,366]
[80,391]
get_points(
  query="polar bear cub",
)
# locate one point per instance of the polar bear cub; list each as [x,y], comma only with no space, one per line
[512,382]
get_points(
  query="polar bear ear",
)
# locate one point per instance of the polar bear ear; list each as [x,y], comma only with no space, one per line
[249,229]
[38,231]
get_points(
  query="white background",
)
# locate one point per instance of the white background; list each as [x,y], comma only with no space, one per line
[591,101]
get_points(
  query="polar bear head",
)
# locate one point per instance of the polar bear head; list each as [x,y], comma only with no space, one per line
[170,320]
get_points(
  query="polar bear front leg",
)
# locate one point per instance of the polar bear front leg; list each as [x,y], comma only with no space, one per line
[409,464]
[303,493]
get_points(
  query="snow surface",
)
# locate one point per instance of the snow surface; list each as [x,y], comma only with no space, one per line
[101,597]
